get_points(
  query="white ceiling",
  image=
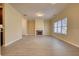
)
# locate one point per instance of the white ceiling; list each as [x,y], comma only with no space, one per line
[48,9]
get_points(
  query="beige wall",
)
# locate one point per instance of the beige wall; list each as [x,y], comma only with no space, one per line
[72,13]
[47,29]
[31,27]
[24,26]
[13,24]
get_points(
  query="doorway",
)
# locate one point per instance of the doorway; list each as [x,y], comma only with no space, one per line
[1,27]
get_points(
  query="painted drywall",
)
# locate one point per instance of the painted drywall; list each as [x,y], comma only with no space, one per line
[13,24]
[24,26]
[31,27]
[47,28]
[72,13]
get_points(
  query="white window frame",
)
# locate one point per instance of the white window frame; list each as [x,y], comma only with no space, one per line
[61,27]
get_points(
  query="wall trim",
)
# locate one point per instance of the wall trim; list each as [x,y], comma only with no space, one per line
[71,43]
[30,34]
[7,44]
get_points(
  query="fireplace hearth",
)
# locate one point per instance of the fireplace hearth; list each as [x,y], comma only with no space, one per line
[39,32]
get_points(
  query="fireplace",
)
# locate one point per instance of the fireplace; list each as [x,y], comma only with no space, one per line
[39,32]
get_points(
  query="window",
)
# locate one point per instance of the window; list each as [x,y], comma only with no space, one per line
[61,26]
[64,25]
[55,27]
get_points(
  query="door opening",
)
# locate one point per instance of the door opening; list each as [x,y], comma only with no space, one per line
[1,27]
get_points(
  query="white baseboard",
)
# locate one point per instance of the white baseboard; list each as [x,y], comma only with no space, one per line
[24,34]
[30,34]
[10,43]
[68,42]
[71,43]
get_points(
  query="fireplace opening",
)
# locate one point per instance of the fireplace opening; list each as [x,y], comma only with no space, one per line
[39,32]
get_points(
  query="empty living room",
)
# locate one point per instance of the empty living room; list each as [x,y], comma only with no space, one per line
[39,29]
